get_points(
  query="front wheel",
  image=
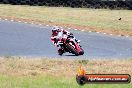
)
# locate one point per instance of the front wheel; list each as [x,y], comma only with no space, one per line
[81,52]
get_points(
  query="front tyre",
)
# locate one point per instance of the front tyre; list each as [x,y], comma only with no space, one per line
[81,52]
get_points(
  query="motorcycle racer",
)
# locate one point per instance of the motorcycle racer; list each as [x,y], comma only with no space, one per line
[57,34]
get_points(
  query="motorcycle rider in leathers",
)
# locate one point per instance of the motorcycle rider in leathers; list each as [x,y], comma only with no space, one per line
[57,33]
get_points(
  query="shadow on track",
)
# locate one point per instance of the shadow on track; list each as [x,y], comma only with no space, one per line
[70,55]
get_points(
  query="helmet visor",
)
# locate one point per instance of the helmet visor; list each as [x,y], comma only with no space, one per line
[54,32]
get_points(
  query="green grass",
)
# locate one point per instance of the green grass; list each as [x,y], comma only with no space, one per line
[47,81]
[29,72]
[89,19]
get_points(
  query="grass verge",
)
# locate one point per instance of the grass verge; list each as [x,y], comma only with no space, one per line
[101,20]
[50,82]
[24,72]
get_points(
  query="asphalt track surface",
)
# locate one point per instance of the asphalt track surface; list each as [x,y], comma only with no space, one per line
[21,39]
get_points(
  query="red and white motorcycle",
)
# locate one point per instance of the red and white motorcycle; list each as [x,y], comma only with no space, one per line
[69,44]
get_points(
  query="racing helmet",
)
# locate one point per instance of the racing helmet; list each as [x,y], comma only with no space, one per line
[55,30]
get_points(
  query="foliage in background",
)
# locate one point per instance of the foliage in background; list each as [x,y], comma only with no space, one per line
[112,4]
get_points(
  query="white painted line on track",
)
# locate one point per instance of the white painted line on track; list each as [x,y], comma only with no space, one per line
[75,29]
[19,21]
[61,27]
[12,20]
